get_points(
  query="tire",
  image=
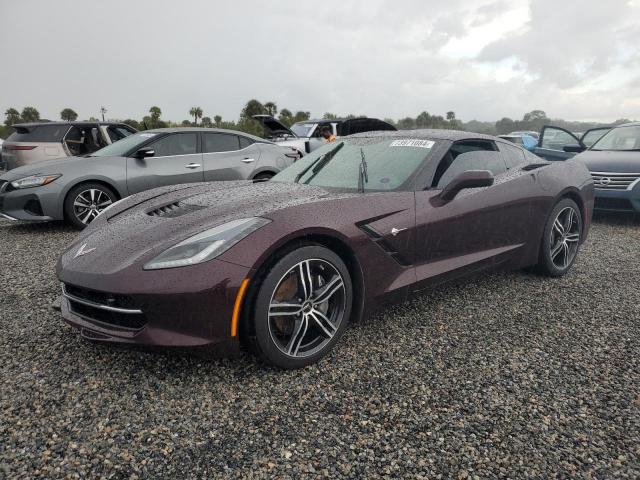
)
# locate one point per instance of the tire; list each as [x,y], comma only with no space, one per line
[559,247]
[312,319]
[75,214]
[263,177]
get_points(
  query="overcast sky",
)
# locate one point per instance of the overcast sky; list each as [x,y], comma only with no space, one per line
[575,59]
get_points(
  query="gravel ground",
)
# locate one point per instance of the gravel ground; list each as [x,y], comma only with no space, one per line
[507,376]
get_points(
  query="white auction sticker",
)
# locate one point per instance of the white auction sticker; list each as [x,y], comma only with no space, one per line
[412,143]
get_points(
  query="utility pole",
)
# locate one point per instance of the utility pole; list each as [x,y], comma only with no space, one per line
[103,111]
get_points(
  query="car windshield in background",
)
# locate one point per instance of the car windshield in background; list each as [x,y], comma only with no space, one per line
[40,133]
[389,164]
[620,139]
[122,147]
[302,129]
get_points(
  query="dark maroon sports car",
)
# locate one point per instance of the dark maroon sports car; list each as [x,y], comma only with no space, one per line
[282,267]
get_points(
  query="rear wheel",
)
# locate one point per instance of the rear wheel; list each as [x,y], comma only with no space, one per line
[84,203]
[561,239]
[302,307]
[263,177]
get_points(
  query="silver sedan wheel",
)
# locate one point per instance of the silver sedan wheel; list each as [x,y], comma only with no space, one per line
[565,238]
[307,308]
[89,203]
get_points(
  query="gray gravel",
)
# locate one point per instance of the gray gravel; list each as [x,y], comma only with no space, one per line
[506,376]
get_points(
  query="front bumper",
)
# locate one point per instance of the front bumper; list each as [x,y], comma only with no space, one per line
[618,200]
[188,307]
[38,203]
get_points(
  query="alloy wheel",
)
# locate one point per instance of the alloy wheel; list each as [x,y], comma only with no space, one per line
[89,203]
[307,308]
[565,238]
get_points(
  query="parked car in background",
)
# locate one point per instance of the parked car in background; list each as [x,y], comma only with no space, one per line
[524,140]
[77,189]
[556,143]
[36,142]
[612,155]
[307,136]
[283,267]
[533,133]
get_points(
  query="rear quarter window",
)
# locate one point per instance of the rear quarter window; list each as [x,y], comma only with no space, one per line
[41,133]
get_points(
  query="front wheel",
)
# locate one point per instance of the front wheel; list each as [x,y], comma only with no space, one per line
[302,307]
[84,203]
[561,239]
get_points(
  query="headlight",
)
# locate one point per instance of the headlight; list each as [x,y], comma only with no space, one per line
[34,181]
[206,245]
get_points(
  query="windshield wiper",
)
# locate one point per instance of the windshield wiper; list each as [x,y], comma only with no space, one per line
[363,176]
[319,163]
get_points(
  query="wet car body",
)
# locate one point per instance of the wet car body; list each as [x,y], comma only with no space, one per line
[393,242]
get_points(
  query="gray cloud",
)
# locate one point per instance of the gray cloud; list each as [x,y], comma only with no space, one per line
[382,58]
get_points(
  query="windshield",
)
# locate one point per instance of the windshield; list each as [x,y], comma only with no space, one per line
[390,164]
[302,129]
[620,139]
[124,146]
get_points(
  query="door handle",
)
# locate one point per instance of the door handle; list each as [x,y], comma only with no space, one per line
[193,165]
[248,160]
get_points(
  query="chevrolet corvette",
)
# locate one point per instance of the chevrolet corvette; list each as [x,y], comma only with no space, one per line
[282,267]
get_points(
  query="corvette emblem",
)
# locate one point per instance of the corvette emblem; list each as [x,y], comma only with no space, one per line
[83,251]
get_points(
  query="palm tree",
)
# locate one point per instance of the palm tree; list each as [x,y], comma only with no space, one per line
[271,108]
[196,113]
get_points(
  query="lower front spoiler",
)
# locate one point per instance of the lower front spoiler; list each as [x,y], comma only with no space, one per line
[150,338]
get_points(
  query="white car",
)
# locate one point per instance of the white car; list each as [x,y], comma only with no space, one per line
[306,136]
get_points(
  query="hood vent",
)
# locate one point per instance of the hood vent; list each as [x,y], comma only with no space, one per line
[175,209]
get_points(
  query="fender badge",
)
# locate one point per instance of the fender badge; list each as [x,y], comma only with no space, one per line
[82,251]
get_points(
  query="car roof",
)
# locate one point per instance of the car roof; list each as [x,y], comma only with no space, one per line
[427,134]
[630,124]
[200,129]
[38,124]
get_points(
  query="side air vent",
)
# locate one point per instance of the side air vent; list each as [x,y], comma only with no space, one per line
[175,209]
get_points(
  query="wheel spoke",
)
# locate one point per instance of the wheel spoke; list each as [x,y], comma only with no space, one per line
[105,203]
[284,309]
[568,220]
[558,226]
[87,217]
[556,250]
[304,275]
[573,238]
[81,202]
[92,195]
[329,290]
[299,333]
[328,328]
[565,248]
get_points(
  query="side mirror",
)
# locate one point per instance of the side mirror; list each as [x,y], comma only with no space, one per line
[573,148]
[468,179]
[144,153]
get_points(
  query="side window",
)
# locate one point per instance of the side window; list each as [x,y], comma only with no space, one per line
[317,133]
[445,172]
[175,144]
[117,133]
[245,142]
[473,160]
[219,142]
[513,156]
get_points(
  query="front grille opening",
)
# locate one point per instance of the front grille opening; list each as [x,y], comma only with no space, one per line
[613,204]
[102,298]
[130,321]
[34,208]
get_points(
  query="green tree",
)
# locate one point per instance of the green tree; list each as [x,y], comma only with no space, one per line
[451,116]
[155,113]
[329,116]
[424,120]
[196,113]
[30,114]
[505,125]
[13,117]
[133,123]
[206,122]
[301,116]
[69,115]
[286,117]
[186,123]
[218,120]
[271,108]
[406,123]
[253,107]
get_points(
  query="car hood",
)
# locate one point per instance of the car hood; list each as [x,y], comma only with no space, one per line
[143,225]
[613,162]
[58,165]
[273,127]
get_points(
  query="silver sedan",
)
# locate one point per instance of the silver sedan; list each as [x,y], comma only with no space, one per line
[77,189]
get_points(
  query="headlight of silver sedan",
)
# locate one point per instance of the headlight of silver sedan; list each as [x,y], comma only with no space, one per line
[34,181]
[206,245]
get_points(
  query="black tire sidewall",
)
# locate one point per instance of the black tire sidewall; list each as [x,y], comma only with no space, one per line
[69,214]
[267,348]
[546,265]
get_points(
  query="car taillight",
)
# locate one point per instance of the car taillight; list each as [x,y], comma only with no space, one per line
[19,147]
